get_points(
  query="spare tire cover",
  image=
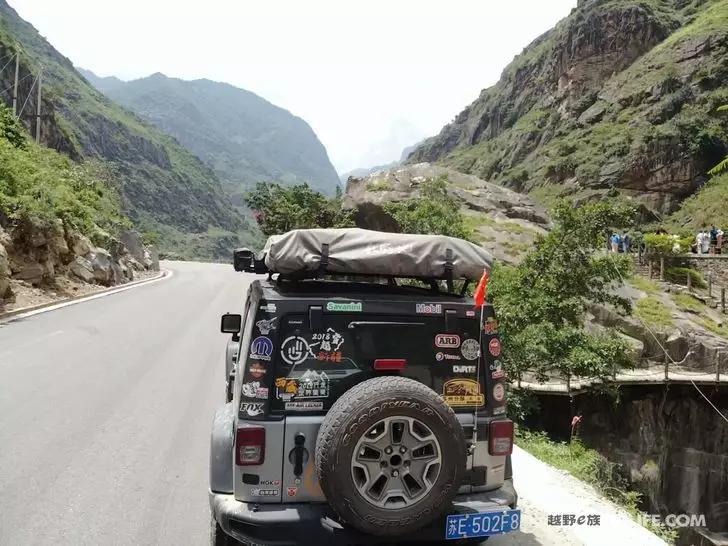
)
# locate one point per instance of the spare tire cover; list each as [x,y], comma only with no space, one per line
[390,456]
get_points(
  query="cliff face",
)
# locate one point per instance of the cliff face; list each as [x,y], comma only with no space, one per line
[241,136]
[620,95]
[163,187]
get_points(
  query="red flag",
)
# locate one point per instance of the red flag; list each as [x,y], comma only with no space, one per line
[481,291]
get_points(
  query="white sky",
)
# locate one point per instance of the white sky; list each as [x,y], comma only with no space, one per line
[370,76]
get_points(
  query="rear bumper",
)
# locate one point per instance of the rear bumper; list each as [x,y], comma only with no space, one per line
[286,524]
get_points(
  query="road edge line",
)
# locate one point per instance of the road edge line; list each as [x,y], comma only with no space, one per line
[30,311]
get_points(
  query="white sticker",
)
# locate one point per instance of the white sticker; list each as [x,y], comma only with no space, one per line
[428,308]
[499,410]
[250,389]
[464,369]
[266,326]
[295,350]
[253,409]
[329,341]
[265,492]
[470,349]
[304,406]
[269,307]
[445,356]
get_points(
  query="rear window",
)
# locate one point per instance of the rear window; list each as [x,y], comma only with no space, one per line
[314,368]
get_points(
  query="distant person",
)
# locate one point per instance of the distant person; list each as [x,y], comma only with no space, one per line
[705,241]
[626,243]
[614,240]
[719,238]
[713,239]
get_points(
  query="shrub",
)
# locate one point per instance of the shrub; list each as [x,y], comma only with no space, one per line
[679,275]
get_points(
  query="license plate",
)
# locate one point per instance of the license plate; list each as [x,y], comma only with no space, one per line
[482,524]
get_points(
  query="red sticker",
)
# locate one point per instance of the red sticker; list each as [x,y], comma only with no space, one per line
[499,392]
[292,491]
[494,347]
[257,370]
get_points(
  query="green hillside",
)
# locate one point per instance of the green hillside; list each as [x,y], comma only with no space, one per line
[163,187]
[241,136]
[618,98]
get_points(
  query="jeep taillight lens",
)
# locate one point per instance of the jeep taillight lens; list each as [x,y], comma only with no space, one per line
[500,437]
[249,446]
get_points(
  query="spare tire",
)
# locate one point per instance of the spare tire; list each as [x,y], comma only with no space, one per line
[390,456]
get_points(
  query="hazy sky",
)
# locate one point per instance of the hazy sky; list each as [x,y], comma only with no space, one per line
[370,76]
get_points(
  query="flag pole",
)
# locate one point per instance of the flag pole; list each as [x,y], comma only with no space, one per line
[477,373]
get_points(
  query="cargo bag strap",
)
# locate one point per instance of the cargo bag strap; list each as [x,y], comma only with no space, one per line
[324,263]
[449,269]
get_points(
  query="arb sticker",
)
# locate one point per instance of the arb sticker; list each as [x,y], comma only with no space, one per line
[304,406]
[494,347]
[470,349]
[447,341]
[462,392]
[499,392]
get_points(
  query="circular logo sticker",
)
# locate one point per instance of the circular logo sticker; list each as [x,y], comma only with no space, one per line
[261,348]
[498,392]
[295,350]
[494,347]
[470,349]
[440,356]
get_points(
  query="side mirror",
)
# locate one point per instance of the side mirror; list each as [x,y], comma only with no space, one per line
[230,324]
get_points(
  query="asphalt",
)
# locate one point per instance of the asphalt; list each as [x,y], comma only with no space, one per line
[105,412]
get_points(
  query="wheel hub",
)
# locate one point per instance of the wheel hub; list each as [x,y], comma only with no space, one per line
[396,462]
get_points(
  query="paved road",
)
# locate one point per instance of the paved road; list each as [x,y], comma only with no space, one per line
[105,410]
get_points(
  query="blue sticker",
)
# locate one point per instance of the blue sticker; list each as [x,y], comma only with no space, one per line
[261,348]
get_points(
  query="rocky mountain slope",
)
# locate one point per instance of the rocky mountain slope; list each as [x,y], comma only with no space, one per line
[502,221]
[164,188]
[241,136]
[619,97]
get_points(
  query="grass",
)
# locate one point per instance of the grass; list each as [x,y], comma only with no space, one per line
[653,312]
[686,302]
[591,467]
[717,329]
[646,285]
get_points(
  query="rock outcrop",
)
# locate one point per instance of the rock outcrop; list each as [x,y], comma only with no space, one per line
[504,222]
[38,253]
[613,99]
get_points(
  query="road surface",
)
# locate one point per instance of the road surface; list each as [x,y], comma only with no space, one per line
[105,411]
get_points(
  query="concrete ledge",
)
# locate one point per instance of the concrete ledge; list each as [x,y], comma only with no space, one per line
[78,299]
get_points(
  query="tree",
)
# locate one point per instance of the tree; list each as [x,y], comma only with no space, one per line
[432,212]
[10,128]
[279,209]
[721,167]
[541,304]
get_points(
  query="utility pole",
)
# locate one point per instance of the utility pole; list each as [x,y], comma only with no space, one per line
[15,85]
[37,110]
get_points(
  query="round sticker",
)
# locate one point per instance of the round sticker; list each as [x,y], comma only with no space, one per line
[498,392]
[295,350]
[494,347]
[470,349]
[261,348]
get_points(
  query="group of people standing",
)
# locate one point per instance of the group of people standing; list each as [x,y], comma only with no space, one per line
[709,241]
[620,243]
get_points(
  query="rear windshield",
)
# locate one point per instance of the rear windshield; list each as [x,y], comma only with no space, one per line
[314,368]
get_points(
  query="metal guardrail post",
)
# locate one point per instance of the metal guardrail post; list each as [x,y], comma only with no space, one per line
[662,268]
[722,299]
[710,284]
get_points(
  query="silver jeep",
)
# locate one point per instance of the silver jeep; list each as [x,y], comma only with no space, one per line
[360,412]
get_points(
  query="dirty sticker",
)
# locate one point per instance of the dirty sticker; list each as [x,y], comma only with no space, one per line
[462,392]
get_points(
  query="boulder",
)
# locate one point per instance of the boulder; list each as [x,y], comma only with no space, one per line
[100,261]
[32,272]
[82,268]
[133,243]
[4,269]
[80,244]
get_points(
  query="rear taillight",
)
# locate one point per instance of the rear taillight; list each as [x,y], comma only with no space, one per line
[500,437]
[250,446]
[384,364]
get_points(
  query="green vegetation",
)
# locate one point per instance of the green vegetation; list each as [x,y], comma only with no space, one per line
[541,303]
[706,207]
[433,211]
[686,302]
[711,325]
[164,188]
[653,312]
[591,467]
[43,186]
[721,167]
[379,185]
[278,209]
[646,285]
[679,275]
[664,244]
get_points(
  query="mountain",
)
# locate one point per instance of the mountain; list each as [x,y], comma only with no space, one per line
[164,188]
[619,98]
[241,136]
